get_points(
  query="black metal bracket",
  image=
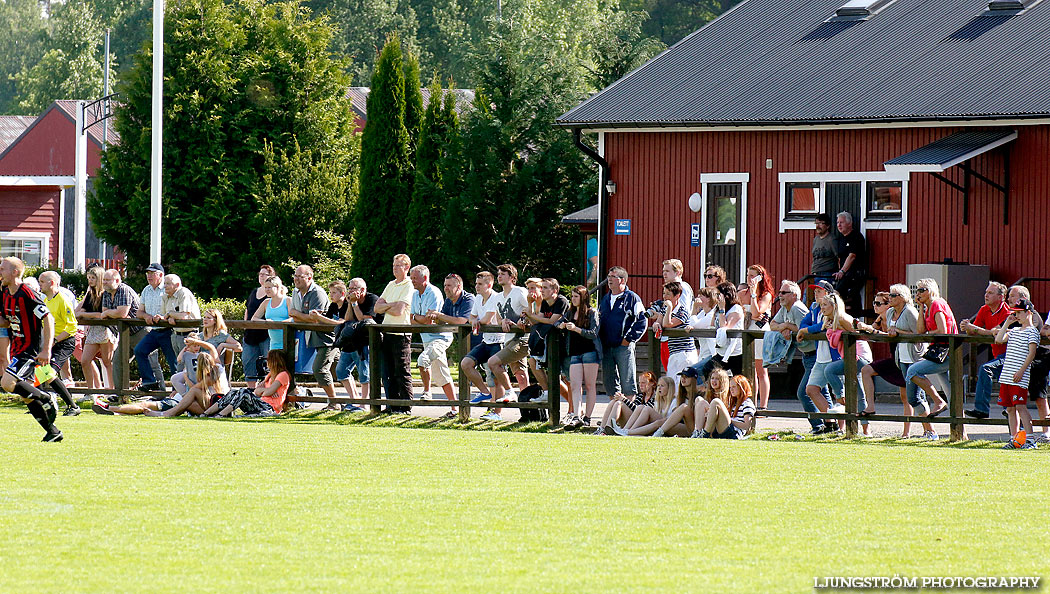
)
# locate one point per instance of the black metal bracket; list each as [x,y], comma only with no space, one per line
[98,110]
[970,172]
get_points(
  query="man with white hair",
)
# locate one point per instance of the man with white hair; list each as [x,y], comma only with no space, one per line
[178,304]
[432,362]
[65,319]
[853,262]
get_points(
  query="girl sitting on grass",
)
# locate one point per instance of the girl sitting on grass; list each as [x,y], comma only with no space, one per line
[717,389]
[730,418]
[680,422]
[267,398]
[651,418]
[621,408]
[211,385]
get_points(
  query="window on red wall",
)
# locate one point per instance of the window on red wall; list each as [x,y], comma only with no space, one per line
[885,200]
[803,200]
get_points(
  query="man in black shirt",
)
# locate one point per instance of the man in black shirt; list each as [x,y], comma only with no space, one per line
[31,331]
[853,262]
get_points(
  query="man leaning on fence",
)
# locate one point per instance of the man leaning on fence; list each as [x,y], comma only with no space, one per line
[987,321]
[622,325]
[152,300]
[432,362]
[309,297]
[395,303]
[120,301]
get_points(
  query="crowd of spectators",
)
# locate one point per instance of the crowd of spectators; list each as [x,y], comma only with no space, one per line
[702,394]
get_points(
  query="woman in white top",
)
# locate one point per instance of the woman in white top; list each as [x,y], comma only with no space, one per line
[704,318]
[900,317]
[729,315]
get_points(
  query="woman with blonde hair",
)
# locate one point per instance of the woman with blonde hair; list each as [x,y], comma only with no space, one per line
[717,389]
[900,318]
[731,417]
[648,419]
[835,372]
[935,317]
[679,422]
[274,307]
[211,386]
[98,340]
[621,408]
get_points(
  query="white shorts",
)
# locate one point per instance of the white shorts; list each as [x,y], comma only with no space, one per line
[433,357]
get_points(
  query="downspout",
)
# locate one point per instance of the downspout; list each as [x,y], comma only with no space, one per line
[603,202]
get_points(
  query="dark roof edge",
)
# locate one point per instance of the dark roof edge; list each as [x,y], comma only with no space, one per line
[654,58]
[790,123]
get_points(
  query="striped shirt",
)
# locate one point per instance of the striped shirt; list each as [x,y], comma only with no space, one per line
[1017,344]
[747,407]
[682,344]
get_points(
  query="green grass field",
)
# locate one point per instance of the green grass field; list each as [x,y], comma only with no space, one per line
[153,505]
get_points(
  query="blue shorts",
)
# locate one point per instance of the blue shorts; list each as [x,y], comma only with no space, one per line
[167,404]
[484,351]
[731,432]
[586,358]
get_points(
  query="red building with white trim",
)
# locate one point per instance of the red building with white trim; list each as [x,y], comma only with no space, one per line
[928,121]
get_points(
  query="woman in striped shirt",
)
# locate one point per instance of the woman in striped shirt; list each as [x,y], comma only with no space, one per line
[682,349]
[648,420]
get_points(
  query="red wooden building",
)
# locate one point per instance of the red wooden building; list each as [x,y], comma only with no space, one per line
[37,180]
[928,121]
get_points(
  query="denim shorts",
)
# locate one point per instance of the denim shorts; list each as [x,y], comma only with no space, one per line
[586,358]
[167,404]
[816,376]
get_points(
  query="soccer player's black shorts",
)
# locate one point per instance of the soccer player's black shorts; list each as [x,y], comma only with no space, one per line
[61,352]
[23,367]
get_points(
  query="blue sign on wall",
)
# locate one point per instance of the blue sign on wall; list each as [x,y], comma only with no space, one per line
[622,227]
[694,234]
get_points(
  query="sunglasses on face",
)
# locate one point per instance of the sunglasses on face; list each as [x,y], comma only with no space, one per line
[785,292]
[710,276]
[921,290]
[881,303]
[895,296]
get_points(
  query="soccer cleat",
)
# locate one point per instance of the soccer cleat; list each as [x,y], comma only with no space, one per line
[71,411]
[481,398]
[102,409]
[56,436]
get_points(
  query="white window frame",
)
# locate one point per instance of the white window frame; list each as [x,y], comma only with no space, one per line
[726,178]
[43,237]
[861,177]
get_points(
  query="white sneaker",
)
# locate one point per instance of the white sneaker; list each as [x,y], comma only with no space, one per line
[492,416]
[837,409]
[541,398]
[69,383]
[931,435]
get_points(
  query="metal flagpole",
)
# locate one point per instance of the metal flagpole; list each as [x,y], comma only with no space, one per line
[155,160]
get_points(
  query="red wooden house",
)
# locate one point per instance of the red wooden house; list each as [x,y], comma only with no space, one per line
[928,120]
[37,179]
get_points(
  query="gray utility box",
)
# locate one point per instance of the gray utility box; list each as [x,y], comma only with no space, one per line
[962,285]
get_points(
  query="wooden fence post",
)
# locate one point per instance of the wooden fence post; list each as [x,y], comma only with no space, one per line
[464,382]
[375,374]
[654,354]
[288,346]
[747,367]
[849,340]
[955,383]
[123,371]
[554,357]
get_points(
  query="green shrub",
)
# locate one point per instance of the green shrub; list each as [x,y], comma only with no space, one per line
[74,280]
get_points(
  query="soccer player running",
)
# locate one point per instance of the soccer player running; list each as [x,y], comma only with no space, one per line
[31,332]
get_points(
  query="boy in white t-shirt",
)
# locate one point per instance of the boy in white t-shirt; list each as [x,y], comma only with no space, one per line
[1021,343]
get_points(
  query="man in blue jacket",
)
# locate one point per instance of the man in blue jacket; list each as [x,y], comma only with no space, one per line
[621,323]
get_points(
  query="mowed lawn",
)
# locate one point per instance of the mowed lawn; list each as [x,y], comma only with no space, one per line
[155,505]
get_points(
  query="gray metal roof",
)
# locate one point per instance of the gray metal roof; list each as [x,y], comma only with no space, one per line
[775,62]
[11,127]
[359,99]
[951,150]
[582,216]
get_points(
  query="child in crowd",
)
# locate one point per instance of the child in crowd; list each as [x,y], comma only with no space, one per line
[620,408]
[265,400]
[717,389]
[647,420]
[732,417]
[1021,343]
[680,422]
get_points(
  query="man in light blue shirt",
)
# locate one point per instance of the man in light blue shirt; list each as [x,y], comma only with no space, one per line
[432,361]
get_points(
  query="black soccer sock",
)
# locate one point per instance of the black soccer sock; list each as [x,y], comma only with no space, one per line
[27,390]
[63,392]
[36,408]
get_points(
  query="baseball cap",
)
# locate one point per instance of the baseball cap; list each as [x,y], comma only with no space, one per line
[689,372]
[155,267]
[1023,305]
[823,284]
